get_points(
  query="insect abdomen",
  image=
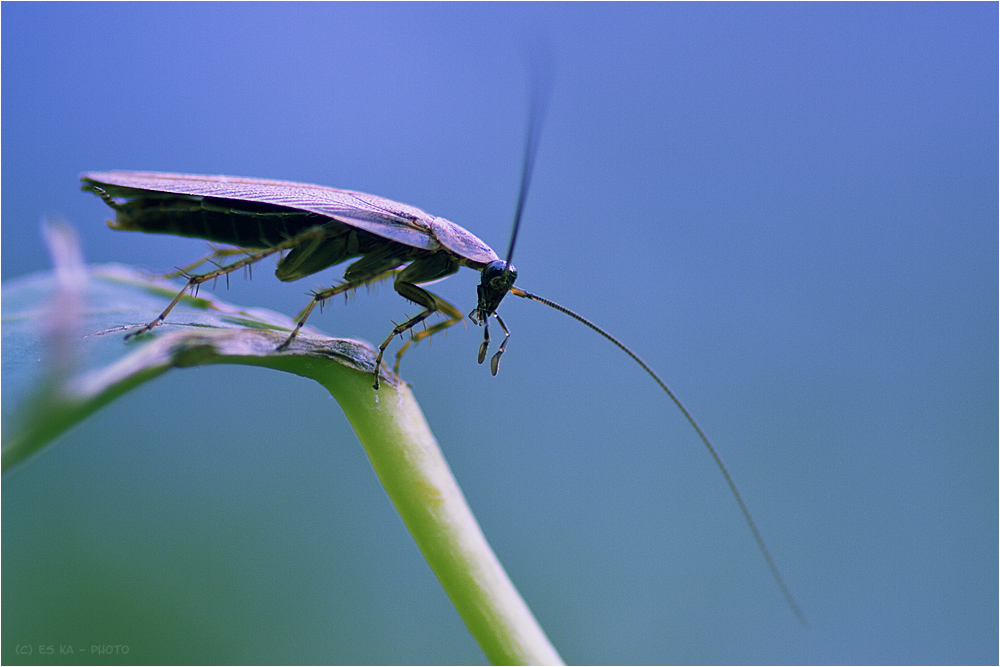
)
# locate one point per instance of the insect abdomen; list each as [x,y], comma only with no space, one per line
[244,224]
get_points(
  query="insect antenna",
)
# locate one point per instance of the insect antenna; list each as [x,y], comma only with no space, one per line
[701,434]
[540,88]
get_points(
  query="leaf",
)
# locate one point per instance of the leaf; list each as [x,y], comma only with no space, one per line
[64,357]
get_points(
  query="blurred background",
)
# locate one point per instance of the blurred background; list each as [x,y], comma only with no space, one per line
[789,211]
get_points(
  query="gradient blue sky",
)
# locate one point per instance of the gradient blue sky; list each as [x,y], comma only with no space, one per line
[788,210]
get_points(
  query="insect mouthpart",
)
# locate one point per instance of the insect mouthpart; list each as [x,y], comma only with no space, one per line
[498,278]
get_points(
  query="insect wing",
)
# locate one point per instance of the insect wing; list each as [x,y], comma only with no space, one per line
[462,242]
[383,217]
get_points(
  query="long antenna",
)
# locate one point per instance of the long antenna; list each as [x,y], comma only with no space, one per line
[701,434]
[541,86]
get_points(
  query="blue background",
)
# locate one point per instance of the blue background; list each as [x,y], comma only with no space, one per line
[789,211]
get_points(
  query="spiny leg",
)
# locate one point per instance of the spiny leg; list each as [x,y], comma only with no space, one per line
[217,253]
[421,297]
[166,311]
[194,281]
[250,258]
[454,317]
[324,294]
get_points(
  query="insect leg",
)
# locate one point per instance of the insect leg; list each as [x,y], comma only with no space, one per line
[217,253]
[418,296]
[250,258]
[454,317]
[424,269]
[324,294]
[163,315]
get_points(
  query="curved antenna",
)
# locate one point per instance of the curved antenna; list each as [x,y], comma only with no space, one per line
[541,86]
[701,434]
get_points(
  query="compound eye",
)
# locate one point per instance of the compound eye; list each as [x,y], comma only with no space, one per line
[492,270]
[498,276]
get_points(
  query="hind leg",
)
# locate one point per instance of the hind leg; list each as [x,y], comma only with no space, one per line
[217,253]
[250,258]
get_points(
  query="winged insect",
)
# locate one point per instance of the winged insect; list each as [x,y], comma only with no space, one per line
[321,227]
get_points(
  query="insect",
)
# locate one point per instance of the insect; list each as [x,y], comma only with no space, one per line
[320,227]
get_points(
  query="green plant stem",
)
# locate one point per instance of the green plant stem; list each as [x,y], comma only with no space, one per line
[388,422]
[395,435]
[416,476]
